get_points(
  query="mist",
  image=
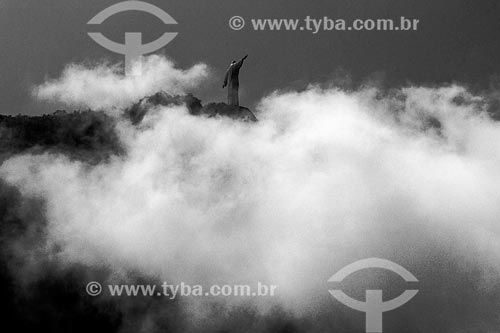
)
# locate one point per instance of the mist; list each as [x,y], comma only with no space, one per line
[102,85]
[326,177]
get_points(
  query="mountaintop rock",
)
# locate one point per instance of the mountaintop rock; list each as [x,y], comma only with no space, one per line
[137,112]
[231,111]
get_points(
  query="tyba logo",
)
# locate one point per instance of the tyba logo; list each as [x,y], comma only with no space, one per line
[133,48]
[373,306]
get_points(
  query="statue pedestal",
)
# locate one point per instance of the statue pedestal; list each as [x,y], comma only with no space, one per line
[231,111]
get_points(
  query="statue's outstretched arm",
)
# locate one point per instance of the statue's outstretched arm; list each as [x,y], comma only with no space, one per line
[240,63]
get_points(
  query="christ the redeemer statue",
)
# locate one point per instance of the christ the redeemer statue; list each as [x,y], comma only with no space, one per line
[232,82]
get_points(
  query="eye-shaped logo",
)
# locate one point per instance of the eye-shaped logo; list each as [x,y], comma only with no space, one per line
[133,48]
[373,306]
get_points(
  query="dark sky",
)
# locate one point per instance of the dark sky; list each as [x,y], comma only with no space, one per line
[457,40]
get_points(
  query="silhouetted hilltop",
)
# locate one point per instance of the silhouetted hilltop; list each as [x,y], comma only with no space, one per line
[137,112]
[91,134]
[80,131]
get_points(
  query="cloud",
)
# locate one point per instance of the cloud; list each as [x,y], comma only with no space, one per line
[104,87]
[326,177]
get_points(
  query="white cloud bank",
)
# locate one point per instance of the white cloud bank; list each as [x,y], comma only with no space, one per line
[324,178]
[104,87]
